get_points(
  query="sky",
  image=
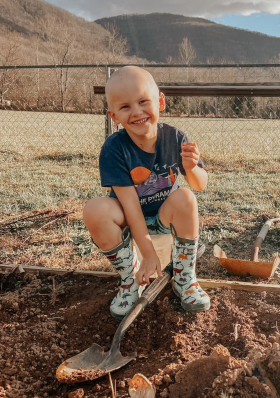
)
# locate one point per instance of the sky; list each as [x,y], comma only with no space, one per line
[256,15]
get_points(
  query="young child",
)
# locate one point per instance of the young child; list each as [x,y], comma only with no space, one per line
[140,163]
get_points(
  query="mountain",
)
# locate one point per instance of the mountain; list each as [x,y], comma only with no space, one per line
[34,31]
[157,37]
[37,32]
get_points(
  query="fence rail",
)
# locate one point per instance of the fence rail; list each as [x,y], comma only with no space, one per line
[214,90]
[47,109]
[200,66]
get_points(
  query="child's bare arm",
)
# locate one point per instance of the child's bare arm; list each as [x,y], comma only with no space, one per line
[196,176]
[136,221]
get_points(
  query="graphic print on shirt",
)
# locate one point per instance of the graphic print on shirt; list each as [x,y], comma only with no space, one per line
[156,187]
[139,174]
[123,163]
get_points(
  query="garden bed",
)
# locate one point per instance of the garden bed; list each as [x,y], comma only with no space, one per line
[232,350]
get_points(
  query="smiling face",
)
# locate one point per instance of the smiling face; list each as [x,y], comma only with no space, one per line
[134,102]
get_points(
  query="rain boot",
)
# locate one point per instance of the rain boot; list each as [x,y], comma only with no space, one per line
[125,261]
[184,284]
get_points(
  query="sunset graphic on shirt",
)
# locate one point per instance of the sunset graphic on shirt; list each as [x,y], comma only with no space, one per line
[155,182]
[139,174]
[172,176]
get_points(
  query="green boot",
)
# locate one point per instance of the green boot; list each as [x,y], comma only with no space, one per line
[184,284]
[125,261]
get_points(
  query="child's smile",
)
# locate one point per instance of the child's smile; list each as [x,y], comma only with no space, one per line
[135,102]
[142,121]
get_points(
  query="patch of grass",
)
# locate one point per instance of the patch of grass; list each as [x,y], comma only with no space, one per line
[40,183]
[38,172]
[47,239]
[234,207]
[238,162]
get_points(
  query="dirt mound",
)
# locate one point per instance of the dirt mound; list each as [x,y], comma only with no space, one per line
[198,375]
[232,349]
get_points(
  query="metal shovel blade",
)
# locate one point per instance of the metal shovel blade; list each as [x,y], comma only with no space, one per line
[91,364]
[94,362]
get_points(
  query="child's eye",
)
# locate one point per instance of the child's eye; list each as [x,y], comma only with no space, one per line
[124,107]
[143,101]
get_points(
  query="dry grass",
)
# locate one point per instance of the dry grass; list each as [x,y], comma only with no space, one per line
[49,238]
[48,133]
[42,196]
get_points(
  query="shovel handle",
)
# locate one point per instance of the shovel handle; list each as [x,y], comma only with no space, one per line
[261,236]
[147,297]
[156,286]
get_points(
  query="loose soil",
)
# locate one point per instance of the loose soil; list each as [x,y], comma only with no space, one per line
[232,350]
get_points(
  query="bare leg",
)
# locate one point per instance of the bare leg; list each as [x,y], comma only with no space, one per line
[104,218]
[180,209]
[106,223]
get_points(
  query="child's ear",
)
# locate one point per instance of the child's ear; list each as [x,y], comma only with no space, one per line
[161,101]
[112,116]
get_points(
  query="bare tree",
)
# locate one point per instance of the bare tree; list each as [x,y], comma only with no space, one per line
[62,74]
[187,53]
[8,56]
[275,71]
[60,52]
[37,75]
[116,44]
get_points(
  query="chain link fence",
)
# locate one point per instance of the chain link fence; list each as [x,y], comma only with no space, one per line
[48,110]
[54,114]
[52,126]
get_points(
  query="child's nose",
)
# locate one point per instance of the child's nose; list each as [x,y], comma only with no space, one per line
[136,109]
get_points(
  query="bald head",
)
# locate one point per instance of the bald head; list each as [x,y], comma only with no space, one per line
[129,75]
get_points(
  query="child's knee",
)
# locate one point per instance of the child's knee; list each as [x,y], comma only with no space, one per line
[98,210]
[93,209]
[184,196]
[180,203]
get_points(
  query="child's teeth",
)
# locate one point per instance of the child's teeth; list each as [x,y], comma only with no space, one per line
[140,121]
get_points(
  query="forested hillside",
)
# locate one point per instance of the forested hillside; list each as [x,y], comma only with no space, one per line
[168,37]
[36,32]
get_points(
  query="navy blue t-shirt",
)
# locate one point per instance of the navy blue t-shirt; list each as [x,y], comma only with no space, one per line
[122,163]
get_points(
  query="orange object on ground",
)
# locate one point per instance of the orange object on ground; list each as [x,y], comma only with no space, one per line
[253,267]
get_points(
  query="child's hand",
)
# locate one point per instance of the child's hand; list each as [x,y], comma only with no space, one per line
[190,155]
[147,268]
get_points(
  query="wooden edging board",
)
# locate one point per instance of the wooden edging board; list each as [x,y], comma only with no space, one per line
[54,271]
[205,283]
[237,285]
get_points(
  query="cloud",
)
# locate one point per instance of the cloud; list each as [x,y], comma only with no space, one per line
[94,9]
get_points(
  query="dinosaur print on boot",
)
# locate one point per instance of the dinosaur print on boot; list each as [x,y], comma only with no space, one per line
[125,261]
[185,285]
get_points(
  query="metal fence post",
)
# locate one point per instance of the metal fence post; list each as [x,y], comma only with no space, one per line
[108,120]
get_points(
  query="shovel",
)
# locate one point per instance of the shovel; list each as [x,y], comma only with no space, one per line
[253,267]
[94,362]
